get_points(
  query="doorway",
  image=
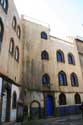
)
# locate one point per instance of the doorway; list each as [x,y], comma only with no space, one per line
[6,102]
[35,110]
[49,105]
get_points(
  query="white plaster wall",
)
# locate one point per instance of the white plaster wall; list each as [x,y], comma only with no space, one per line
[13,111]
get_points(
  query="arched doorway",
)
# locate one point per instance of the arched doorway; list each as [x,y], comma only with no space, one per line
[14,100]
[6,102]
[49,105]
[35,109]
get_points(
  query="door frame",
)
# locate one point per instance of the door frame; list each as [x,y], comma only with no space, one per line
[7,88]
[52,94]
[39,108]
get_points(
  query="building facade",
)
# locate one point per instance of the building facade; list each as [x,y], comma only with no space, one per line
[10,60]
[52,72]
[39,72]
[79,44]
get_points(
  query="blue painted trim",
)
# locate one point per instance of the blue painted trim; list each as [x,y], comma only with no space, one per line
[66,110]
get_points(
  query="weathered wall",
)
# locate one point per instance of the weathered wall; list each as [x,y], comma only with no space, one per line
[8,65]
[13,114]
[70,98]
[32,54]
[79,45]
[35,67]
[66,47]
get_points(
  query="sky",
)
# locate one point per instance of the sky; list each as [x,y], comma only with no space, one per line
[65,17]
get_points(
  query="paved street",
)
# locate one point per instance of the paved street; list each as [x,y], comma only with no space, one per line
[66,120]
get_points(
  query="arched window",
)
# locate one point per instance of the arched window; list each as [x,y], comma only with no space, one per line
[43,35]
[11,46]
[45,79]
[62,99]
[71,59]
[14,100]
[74,79]
[44,55]
[17,53]
[77,99]
[62,78]
[4,4]
[1,31]
[14,23]
[60,56]
[18,32]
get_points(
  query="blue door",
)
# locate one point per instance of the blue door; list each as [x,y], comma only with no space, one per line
[49,106]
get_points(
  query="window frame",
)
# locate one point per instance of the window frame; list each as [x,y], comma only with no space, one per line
[62,82]
[71,59]
[62,99]
[14,23]
[17,53]
[74,80]
[45,79]
[4,5]
[58,54]
[44,55]
[77,97]
[2,32]
[18,31]
[11,46]
[44,35]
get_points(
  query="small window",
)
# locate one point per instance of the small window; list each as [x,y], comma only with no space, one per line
[18,32]
[44,55]
[14,100]
[14,23]
[1,31]
[4,4]
[17,53]
[62,78]
[77,99]
[0,27]
[74,79]
[11,46]
[43,35]
[71,59]
[60,56]
[45,79]
[62,99]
